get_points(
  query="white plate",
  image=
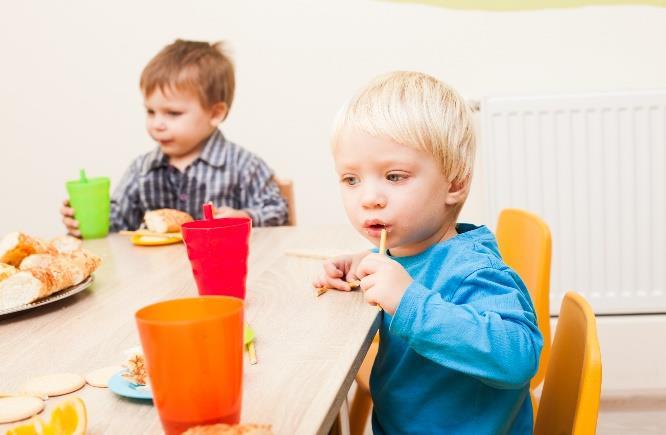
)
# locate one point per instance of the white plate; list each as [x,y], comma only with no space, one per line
[62,294]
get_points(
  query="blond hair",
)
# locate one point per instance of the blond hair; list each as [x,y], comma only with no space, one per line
[192,66]
[416,110]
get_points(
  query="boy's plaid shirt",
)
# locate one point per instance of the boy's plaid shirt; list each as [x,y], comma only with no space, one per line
[224,173]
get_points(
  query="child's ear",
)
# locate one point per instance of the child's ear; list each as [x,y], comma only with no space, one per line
[458,191]
[218,113]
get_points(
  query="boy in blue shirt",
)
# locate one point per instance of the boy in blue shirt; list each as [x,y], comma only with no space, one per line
[459,341]
[188,88]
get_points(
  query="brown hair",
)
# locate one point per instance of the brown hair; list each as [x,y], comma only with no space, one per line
[193,66]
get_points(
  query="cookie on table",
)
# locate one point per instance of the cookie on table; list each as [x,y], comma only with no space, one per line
[55,384]
[19,408]
[100,378]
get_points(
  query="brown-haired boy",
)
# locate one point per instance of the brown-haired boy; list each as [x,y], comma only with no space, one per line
[188,89]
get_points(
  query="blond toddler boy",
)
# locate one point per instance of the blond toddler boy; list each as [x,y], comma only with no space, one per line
[459,341]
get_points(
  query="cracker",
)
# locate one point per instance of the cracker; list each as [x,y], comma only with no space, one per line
[100,377]
[56,384]
[19,408]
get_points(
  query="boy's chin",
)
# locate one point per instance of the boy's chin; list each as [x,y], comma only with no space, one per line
[172,151]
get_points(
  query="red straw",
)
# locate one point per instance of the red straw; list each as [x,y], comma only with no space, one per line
[208,211]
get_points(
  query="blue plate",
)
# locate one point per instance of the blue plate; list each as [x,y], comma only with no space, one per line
[123,387]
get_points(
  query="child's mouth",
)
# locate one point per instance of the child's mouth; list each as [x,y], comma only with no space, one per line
[374,229]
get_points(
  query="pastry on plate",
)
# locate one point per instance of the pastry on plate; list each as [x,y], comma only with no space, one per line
[41,275]
[14,247]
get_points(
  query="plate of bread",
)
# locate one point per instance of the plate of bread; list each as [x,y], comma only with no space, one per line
[34,272]
[160,227]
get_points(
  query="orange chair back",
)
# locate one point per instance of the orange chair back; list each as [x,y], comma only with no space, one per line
[525,244]
[572,388]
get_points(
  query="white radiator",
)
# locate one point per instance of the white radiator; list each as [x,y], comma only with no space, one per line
[594,168]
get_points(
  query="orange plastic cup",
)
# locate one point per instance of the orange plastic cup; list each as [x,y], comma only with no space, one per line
[194,355]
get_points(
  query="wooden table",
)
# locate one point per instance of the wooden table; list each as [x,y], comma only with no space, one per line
[308,348]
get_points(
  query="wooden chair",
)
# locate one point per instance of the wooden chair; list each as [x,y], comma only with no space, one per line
[525,245]
[572,388]
[287,191]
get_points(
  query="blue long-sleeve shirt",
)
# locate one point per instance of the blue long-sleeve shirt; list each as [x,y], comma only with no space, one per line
[460,350]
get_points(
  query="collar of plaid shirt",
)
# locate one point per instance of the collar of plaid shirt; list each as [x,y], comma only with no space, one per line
[213,153]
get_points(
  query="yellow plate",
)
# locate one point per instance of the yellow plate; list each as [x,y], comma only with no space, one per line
[140,240]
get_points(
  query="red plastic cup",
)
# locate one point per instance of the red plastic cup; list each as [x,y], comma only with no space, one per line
[194,355]
[218,251]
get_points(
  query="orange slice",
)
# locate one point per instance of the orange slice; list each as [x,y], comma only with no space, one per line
[33,426]
[68,418]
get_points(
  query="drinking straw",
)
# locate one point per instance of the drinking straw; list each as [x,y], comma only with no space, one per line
[208,211]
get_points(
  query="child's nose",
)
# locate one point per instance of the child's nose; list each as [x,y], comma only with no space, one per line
[159,124]
[373,198]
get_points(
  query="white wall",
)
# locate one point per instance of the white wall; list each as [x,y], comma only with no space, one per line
[69,78]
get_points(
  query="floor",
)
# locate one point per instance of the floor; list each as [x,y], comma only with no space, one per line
[637,418]
[638,412]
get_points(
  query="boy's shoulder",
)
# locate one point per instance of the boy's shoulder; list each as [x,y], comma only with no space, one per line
[472,250]
[143,163]
[219,151]
[469,266]
[477,247]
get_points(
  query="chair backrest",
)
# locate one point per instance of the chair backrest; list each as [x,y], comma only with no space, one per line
[572,388]
[287,191]
[525,244]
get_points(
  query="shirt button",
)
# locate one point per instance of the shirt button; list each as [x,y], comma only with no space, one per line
[183,196]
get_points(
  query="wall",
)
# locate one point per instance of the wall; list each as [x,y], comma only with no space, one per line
[68,82]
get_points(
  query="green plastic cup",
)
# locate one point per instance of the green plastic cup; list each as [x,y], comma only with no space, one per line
[89,197]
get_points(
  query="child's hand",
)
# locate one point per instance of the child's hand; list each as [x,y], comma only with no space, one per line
[71,224]
[383,281]
[228,212]
[339,271]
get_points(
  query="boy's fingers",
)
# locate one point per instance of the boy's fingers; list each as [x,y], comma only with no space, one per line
[332,270]
[369,292]
[351,276]
[368,266]
[220,211]
[70,223]
[338,284]
[331,283]
[367,283]
[67,211]
[65,202]
[369,297]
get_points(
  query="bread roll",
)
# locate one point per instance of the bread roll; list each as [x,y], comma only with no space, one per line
[36,260]
[166,220]
[14,247]
[43,274]
[65,244]
[6,271]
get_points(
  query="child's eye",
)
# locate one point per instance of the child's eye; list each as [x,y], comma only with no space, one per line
[350,180]
[173,113]
[150,112]
[394,177]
